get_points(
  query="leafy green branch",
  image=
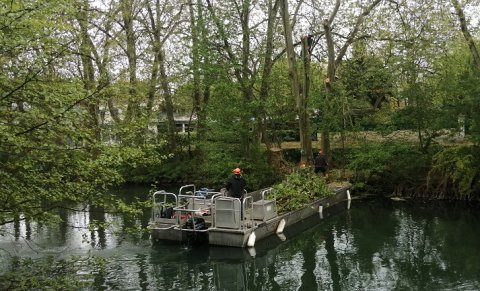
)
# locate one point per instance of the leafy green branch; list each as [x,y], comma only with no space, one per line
[299,189]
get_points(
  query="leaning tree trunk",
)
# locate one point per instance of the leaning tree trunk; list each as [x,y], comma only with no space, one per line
[466,33]
[328,82]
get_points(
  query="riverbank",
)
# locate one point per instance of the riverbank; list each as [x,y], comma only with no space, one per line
[403,169]
[397,166]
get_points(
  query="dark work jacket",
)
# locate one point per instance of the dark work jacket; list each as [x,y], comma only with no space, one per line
[235,186]
[321,161]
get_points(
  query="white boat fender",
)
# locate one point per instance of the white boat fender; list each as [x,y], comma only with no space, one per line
[320,209]
[281,226]
[252,252]
[348,195]
[251,239]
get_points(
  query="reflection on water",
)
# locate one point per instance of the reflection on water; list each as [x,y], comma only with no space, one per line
[374,245]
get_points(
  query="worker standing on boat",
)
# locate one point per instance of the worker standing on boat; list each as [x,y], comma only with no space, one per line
[236,184]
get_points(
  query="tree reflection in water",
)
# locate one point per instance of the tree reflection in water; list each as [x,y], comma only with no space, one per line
[377,244]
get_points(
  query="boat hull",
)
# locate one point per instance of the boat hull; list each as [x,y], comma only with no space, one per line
[239,238]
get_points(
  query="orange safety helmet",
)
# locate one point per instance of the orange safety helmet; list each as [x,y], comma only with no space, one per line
[236,171]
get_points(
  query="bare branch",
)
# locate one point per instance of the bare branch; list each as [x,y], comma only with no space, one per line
[334,12]
[355,30]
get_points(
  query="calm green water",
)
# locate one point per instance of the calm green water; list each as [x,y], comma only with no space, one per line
[374,245]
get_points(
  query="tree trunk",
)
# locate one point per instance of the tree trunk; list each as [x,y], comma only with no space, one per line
[208,77]
[267,69]
[171,134]
[466,33]
[156,47]
[197,92]
[295,83]
[131,51]
[86,52]
[303,114]
[328,83]
[334,61]
[246,80]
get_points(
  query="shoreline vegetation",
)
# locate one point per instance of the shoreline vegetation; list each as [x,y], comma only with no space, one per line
[449,171]
[394,165]
[395,168]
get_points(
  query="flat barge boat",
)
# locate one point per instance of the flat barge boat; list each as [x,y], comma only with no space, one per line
[227,221]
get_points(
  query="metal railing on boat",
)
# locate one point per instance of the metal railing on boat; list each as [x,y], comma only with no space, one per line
[216,209]
[160,208]
[191,205]
[232,213]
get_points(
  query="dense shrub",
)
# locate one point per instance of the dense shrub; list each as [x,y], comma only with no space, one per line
[455,172]
[383,166]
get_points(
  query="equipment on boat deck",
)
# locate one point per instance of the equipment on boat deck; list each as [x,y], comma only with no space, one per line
[204,192]
[264,210]
[196,223]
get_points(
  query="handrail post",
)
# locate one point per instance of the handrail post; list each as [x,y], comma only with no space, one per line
[163,194]
[187,186]
[263,199]
[244,206]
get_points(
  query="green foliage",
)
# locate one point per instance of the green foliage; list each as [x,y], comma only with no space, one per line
[457,87]
[298,189]
[366,78]
[455,172]
[280,106]
[140,164]
[48,174]
[230,141]
[394,163]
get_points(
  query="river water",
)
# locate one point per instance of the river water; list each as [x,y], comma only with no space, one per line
[369,244]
